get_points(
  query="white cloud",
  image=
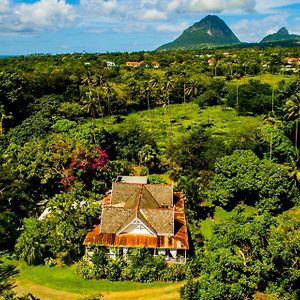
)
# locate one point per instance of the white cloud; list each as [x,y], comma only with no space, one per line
[45,14]
[176,28]
[255,30]
[148,2]
[101,7]
[268,5]
[35,17]
[153,14]
[221,5]
[4,6]
[130,15]
[295,28]
[173,5]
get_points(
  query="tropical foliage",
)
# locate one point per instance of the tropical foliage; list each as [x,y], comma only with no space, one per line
[222,125]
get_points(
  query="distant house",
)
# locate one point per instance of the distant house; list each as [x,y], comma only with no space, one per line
[142,215]
[211,61]
[155,64]
[110,64]
[134,64]
[292,60]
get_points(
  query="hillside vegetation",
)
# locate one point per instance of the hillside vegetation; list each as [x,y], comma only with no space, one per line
[223,127]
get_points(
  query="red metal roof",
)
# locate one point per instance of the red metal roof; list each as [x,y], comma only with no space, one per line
[178,241]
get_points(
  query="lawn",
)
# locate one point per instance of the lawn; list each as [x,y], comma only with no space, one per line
[175,123]
[219,216]
[62,282]
[271,79]
[171,125]
[66,279]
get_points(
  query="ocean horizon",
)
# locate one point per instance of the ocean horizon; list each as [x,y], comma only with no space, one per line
[7,56]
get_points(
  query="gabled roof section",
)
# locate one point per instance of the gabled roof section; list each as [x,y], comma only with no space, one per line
[162,220]
[124,192]
[162,193]
[132,195]
[113,218]
[147,200]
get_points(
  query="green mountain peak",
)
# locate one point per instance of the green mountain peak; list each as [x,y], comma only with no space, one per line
[211,31]
[282,35]
[283,31]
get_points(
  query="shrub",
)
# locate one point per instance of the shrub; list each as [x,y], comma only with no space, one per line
[114,269]
[174,272]
[85,269]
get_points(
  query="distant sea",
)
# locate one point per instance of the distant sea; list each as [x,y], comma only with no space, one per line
[6,56]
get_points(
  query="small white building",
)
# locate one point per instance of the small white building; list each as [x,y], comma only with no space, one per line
[110,64]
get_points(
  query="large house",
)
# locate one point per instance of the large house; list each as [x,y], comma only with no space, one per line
[142,215]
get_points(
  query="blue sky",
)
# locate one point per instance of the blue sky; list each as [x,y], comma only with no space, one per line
[67,26]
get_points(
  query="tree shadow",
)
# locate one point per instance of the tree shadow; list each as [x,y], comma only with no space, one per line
[7,272]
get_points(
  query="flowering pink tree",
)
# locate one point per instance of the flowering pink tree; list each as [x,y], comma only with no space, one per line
[84,165]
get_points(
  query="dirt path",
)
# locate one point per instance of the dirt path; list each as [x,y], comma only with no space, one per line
[44,293]
[165,293]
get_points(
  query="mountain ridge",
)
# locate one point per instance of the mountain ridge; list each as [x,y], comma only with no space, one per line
[211,31]
[280,36]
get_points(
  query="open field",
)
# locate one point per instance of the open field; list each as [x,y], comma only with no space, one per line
[55,283]
[271,79]
[220,215]
[181,118]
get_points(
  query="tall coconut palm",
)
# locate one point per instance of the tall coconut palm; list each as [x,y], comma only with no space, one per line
[90,104]
[86,80]
[182,75]
[147,91]
[191,88]
[3,116]
[293,109]
[274,123]
[294,171]
[166,88]
[153,85]
[109,92]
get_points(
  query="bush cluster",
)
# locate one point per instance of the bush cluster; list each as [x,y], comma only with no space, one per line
[142,267]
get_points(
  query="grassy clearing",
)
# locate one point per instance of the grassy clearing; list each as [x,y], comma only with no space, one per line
[220,215]
[171,125]
[170,292]
[181,118]
[63,283]
[265,78]
[65,279]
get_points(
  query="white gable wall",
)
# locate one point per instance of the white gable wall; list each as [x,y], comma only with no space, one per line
[137,227]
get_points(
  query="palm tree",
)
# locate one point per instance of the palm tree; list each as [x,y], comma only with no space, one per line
[86,79]
[191,88]
[294,172]
[3,116]
[153,84]
[293,109]
[97,80]
[90,104]
[166,88]
[147,90]
[274,123]
[109,92]
[182,75]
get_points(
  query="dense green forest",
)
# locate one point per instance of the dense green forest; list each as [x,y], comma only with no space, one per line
[223,125]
